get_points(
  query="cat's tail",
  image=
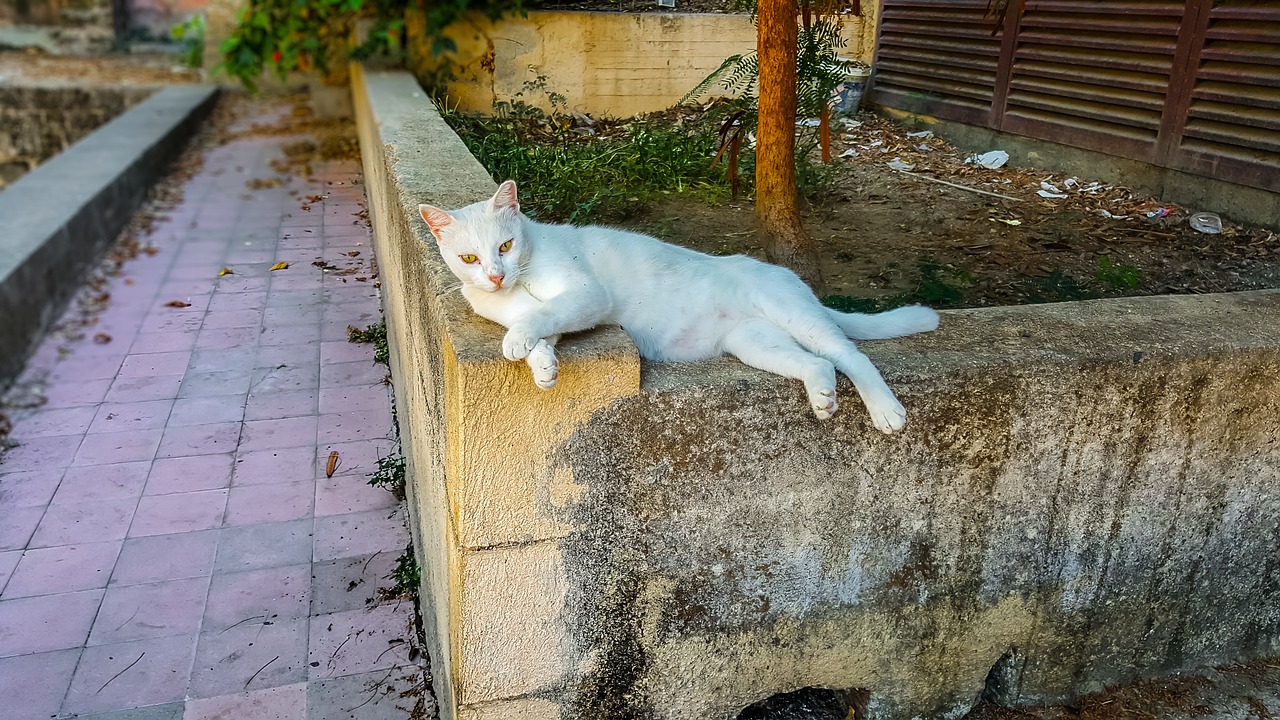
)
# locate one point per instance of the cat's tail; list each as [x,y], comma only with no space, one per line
[894,323]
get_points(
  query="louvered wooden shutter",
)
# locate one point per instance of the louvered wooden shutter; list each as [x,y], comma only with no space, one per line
[937,57]
[1192,85]
[1232,124]
[1091,73]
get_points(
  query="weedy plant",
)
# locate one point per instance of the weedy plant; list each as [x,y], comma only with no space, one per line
[390,475]
[819,69]
[288,35]
[1118,277]
[190,35]
[376,334]
[406,577]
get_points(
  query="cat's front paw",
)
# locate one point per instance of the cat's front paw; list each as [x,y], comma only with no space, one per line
[518,343]
[542,361]
[887,414]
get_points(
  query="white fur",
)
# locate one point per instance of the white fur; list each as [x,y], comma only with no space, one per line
[676,304]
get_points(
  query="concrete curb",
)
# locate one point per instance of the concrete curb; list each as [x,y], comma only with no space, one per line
[61,216]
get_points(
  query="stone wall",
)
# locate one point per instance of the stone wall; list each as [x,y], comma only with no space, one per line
[40,121]
[1085,494]
[62,26]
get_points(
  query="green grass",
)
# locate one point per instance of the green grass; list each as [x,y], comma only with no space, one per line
[564,178]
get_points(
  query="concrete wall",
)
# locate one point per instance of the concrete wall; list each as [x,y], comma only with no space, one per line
[615,64]
[1089,490]
[59,218]
[40,121]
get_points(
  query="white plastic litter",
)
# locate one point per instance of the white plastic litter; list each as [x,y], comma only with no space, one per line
[1109,214]
[990,160]
[898,164]
[921,134]
[1050,187]
[849,153]
[1206,222]
[809,122]
[1047,194]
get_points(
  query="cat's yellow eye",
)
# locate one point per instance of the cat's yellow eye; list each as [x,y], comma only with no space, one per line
[469,259]
[505,246]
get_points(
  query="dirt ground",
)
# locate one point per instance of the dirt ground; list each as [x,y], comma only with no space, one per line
[894,237]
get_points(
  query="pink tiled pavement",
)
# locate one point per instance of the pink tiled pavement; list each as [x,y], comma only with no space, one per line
[170,544]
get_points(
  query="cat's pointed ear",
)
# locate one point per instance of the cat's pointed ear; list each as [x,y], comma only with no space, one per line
[506,197]
[435,218]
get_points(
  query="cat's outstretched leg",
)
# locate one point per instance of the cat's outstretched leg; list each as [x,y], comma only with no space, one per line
[542,361]
[763,345]
[887,414]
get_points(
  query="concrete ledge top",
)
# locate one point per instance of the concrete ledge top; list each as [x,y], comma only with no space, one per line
[1116,331]
[40,203]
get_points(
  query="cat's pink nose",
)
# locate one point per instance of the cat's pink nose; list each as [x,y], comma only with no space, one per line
[496,279]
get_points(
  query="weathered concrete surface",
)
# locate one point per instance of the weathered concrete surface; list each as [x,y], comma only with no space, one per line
[615,64]
[1091,490]
[1093,486]
[61,216]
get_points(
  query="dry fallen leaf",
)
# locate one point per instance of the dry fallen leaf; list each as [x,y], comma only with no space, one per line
[102,338]
[177,304]
[280,266]
[226,271]
[332,466]
[354,253]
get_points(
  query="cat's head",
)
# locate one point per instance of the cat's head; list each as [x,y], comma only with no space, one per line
[482,243]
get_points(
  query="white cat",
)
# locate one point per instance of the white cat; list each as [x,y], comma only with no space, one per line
[542,280]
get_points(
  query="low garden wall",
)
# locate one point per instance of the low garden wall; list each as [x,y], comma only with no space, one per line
[1085,494]
[60,217]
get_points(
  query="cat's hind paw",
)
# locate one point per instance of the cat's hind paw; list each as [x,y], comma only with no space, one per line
[546,369]
[824,403]
[887,415]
